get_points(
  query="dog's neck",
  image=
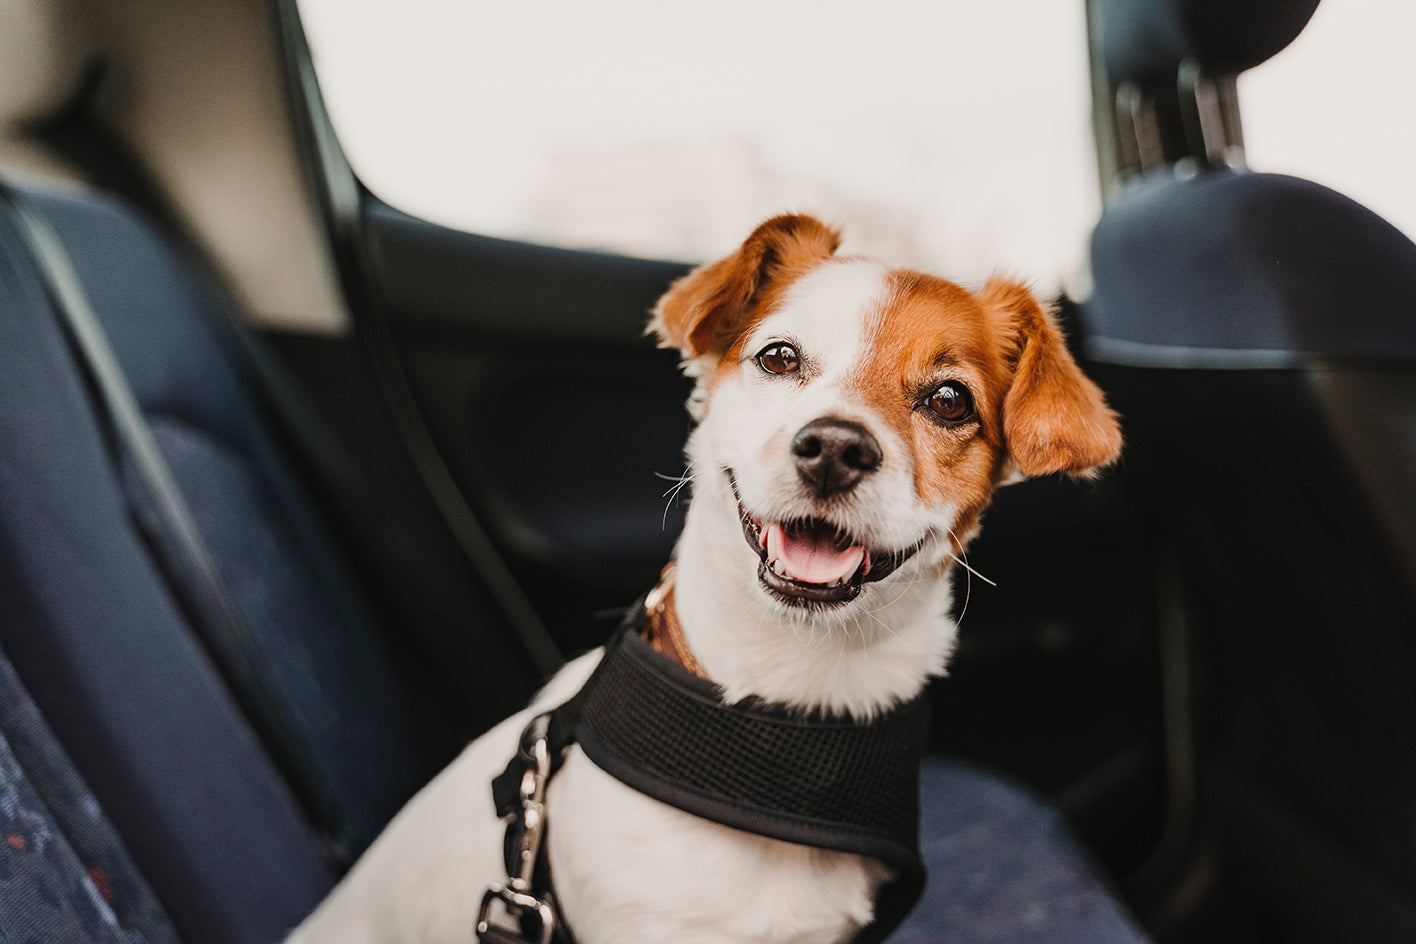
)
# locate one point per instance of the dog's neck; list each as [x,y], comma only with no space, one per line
[662,629]
[880,650]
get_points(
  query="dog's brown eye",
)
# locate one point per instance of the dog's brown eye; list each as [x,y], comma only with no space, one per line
[952,402]
[779,358]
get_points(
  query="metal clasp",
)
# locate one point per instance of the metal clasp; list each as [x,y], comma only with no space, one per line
[518,904]
[533,802]
[516,895]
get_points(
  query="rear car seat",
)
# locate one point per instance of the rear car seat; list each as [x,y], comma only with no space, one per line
[141,697]
[95,629]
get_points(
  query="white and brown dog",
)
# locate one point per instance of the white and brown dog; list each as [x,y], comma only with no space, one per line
[853,421]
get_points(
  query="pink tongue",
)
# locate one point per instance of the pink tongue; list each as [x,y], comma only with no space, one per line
[811,561]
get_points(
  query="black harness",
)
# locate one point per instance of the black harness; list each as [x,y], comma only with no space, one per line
[826,782]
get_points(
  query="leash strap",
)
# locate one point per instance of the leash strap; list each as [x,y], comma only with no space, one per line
[830,783]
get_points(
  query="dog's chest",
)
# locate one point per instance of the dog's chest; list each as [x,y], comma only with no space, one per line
[629,869]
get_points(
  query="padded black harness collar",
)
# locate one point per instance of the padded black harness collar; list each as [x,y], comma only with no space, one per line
[827,782]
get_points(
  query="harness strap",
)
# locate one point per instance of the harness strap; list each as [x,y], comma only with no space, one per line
[826,782]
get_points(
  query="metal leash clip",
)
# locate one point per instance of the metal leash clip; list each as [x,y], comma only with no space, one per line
[516,894]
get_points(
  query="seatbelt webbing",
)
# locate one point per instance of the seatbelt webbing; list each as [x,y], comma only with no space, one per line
[163,514]
[378,534]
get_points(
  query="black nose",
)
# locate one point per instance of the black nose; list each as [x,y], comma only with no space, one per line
[833,455]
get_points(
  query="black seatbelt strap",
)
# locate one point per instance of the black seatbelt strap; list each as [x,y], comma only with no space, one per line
[162,514]
[379,535]
[826,782]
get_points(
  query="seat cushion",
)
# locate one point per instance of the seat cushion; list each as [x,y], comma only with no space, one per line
[65,872]
[1004,869]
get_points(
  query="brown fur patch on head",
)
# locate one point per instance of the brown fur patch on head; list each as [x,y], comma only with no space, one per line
[930,330]
[1036,412]
[704,312]
[1054,418]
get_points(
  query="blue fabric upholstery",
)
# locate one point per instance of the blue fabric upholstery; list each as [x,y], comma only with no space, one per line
[114,667]
[1146,40]
[66,874]
[278,562]
[48,894]
[1004,869]
[1239,262]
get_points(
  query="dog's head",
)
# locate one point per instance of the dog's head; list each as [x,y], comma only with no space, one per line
[859,416]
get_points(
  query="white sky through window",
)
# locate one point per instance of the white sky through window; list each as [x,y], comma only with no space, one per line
[955,136]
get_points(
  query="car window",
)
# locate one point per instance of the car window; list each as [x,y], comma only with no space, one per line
[1335,107]
[949,135]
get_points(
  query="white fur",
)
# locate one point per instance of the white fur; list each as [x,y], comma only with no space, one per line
[883,647]
[630,869]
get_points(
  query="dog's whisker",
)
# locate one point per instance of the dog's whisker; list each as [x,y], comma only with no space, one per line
[680,482]
[968,587]
[907,584]
[883,625]
[672,495]
[965,564]
[969,574]
[864,650]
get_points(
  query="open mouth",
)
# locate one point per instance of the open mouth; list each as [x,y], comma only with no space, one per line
[811,560]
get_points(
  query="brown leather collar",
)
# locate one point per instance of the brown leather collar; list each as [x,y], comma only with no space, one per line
[662,629]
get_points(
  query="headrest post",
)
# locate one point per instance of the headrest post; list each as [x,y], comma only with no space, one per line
[1210,107]
[1139,127]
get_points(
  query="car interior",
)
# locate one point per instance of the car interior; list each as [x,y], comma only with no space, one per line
[299,493]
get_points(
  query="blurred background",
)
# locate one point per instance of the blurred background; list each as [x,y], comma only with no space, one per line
[668,130]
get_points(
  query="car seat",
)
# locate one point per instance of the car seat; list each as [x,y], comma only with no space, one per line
[93,628]
[1260,332]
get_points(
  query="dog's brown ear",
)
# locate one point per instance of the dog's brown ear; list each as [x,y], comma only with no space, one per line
[705,311]
[1054,418]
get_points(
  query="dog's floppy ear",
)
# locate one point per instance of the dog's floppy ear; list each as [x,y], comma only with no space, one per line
[705,311]
[1054,418]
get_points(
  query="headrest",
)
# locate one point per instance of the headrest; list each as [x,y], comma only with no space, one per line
[1235,269]
[1146,40]
[45,47]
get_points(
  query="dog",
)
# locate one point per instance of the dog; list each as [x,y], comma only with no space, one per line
[852,422]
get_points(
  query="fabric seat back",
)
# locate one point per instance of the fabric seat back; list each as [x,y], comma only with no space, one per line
[1259,333]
